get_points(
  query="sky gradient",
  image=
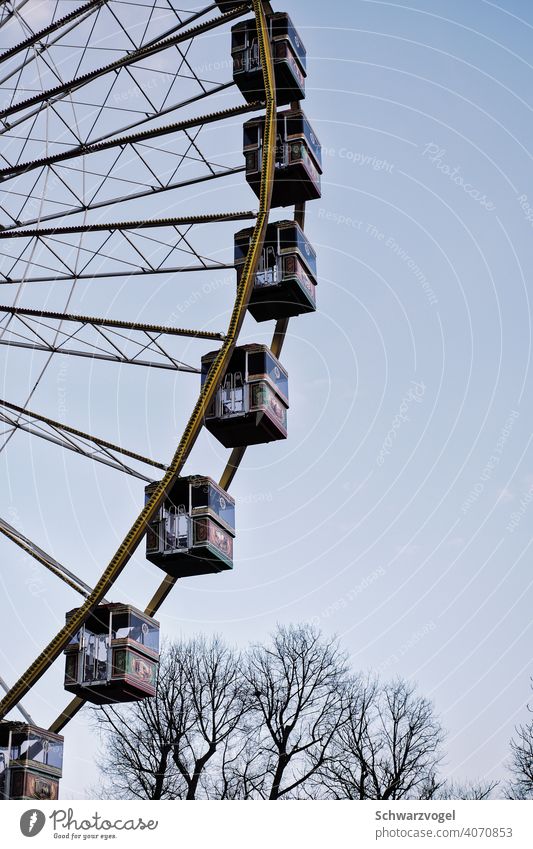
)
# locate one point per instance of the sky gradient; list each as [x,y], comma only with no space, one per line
[398,513]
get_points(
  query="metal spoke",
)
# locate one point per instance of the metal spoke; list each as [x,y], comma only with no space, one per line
[153,190]
[56,93]
[42,557]
[108,322]
[114,274]
[74,439]
[75,16]
[142,135]
[209,218]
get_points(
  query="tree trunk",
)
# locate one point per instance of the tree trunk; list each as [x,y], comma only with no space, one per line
[283,760]
[161,772]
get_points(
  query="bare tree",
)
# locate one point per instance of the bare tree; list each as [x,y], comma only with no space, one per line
[474,790]
[284,720]
[242,774]
[521,764]
[216,704]
[390,747]
[160,748]
[136,758]
[297,690]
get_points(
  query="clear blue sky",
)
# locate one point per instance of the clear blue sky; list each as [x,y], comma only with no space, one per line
[398,513]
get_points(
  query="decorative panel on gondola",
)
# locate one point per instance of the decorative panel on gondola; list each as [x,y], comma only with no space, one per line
[193,530]
[285,280]
[31,760]
[114,656]
[298,158]
[288,54]
[250,407]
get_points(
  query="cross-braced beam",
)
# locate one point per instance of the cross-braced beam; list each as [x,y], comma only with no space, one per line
[86,444]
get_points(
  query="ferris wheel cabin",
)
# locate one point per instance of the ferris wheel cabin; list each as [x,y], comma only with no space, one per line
[288,53]
[298,158]
[31,761]
[114,656]
[193,531]
[285,281]
[250,407]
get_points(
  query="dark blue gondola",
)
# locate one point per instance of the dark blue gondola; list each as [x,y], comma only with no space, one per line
[285,281]
[193,530]
[250,407]
[31,761]
[289,59]
[114,656]
[298,158]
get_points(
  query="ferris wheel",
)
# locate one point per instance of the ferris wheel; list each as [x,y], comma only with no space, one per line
[115,124]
